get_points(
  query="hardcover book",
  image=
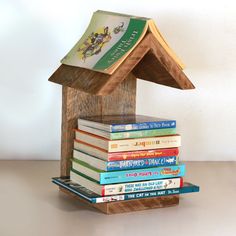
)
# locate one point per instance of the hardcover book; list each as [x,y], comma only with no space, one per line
[128,134]
[117,156]
[120,188]
[124,164]
[119,123]
[123,145]
[123,176]
[109,39]
[95,198]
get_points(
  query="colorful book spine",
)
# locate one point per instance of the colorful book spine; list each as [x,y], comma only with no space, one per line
[142,174]
[142,186]
[144,125]
[123,176]
[94,198]
[129,196]
[144,143]
[120,188]
[141,163]
[142,133]
[116,156]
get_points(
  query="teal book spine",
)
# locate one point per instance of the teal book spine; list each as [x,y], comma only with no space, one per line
[142,174]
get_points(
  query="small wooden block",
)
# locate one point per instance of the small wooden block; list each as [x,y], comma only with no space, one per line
[129,205]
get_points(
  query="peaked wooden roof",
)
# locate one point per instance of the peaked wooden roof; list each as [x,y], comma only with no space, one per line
[148,61]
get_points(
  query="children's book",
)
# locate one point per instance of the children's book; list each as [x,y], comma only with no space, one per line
[119,123]
[95,198]
[103,177]
[124,164]
[118,156]
[128,134]
[129,187]
[123,145]
[109,39]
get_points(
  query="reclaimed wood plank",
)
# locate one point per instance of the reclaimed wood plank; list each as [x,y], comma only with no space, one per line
[76,103]
[129,205]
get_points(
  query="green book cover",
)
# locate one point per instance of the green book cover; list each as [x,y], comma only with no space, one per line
[107,39]
[85,176]
[87,165]
[142,133]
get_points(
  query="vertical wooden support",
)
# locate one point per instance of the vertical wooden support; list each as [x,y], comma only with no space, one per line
[76,103]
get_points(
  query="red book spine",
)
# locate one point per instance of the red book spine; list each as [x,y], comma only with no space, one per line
[119,156]
[181,182]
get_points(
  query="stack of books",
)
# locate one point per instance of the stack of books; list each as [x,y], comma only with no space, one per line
[126,157]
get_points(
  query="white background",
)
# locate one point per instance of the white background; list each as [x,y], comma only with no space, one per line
[35,35]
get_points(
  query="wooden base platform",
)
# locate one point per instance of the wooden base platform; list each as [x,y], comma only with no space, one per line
[129,205]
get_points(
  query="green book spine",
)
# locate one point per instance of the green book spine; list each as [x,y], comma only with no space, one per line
[142,133]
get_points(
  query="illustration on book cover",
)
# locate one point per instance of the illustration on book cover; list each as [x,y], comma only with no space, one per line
[94,43]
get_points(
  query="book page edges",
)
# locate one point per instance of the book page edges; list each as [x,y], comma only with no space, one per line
[156,33]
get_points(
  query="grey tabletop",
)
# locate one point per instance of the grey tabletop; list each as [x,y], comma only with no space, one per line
[31,205]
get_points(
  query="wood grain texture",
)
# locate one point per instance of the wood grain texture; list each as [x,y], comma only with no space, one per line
[157,66]
[76,103]
[95,82]
[129,205]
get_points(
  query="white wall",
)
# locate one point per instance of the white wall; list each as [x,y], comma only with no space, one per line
[35,35]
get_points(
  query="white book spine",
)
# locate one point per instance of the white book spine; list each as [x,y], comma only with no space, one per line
[141,186]
[144,144]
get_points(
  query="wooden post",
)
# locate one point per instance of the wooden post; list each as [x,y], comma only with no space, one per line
[76,103]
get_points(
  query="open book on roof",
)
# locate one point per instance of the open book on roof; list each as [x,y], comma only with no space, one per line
[109,39]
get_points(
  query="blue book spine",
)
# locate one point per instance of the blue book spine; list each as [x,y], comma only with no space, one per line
[142,174]
[190,188]
[144,125]
[142,163]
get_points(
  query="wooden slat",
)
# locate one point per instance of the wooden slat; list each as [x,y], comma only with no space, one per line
[79,78]
[175,72]
[129,205]
[145,70]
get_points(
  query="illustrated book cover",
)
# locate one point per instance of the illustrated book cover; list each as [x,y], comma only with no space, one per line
[109,39]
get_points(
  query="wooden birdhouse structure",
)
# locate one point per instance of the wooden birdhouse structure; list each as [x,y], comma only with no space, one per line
[87,92]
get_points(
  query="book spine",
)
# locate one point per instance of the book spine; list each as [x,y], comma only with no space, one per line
[142,186]
[141,163]
[142,133]
[144,143]
[117,156]
[158,193]
[142,174]
[144,125]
